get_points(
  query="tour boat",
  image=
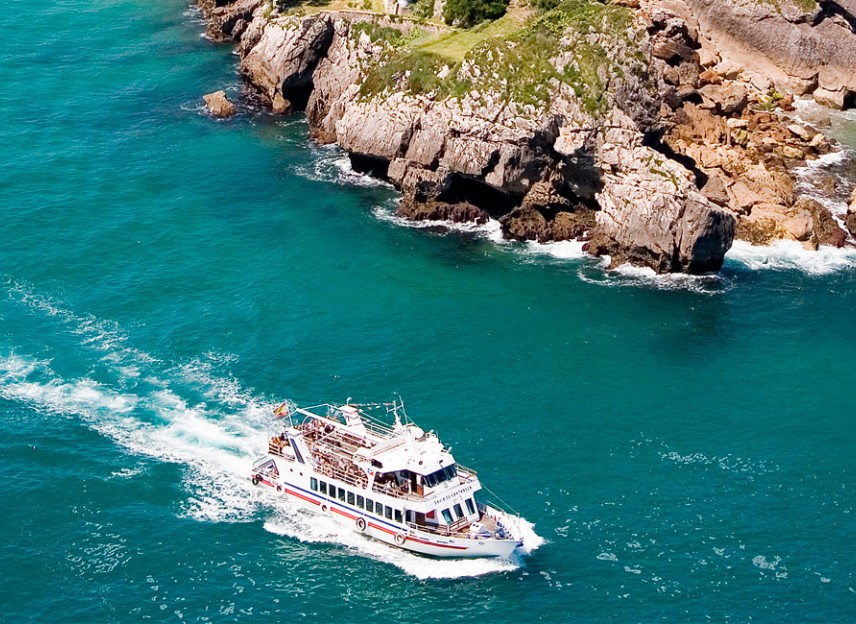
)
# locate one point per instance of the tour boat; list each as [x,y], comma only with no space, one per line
[394,483]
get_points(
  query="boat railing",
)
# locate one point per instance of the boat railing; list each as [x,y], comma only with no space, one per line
[333,412]
[329,469]
[276,446]
[459,529]
[466,474]
[387,489]
[446,531]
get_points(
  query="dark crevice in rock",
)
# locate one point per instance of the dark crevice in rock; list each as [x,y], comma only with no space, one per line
[298,87]
[655,142]
[581,175]
[466,189]
[830,8]
[370,165]
[297,93]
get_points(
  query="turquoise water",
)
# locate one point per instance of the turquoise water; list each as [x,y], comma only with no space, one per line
[685,449]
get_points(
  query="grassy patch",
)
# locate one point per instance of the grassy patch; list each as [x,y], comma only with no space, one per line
[515,57]
[454,45]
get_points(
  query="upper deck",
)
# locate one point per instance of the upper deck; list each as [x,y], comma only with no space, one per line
[401,461]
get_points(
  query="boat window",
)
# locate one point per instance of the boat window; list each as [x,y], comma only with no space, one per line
[470,506]
[332,491]
[341,494]
[323,485]
[361,502]
[447,516]
[458,511]
[350,498]
[387,511]
[398,515]
[313,484]
[439,476]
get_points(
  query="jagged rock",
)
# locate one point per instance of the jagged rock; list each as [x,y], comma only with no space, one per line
[742,198]
[800,51]
[716,189]
[532,166]
[545,194]
[850,222]
[802,132]
[280,58]
[574,225]
[280,105]
[850,217]
[820,144]
[228,21]
[826,228]
[651,214]
[529,223]
[461,212]
[525,223]
[768,223]
[711,77]
[672,51]
[336,81]
[725,99]
[218,104]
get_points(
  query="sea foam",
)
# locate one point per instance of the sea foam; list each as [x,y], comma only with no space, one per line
[156,414]
[790,255]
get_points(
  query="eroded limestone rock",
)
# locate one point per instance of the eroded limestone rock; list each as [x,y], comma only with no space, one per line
[218,104]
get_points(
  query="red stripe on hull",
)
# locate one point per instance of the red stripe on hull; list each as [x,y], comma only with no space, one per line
[371,524]
[299,495]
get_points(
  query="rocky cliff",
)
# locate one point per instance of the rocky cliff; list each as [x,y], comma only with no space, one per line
[619,127]
[795,46]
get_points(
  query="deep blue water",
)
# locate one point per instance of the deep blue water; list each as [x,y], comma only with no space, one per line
[684,448]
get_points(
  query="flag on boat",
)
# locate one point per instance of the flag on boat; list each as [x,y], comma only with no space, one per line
[281,411]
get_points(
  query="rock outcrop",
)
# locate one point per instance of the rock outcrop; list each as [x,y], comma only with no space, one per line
[793,46]
[658,159]
[744,157]
[653,214]
[218,104]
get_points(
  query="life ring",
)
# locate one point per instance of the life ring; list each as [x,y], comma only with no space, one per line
[361,524]
[324,508]
[399,539]
[255,480]
[279,488]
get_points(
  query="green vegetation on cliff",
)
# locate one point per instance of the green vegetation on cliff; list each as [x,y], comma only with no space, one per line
[806,6]
[468,13]
[521,57]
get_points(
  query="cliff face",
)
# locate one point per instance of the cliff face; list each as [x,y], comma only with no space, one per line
[743,152]
[602,131]
[796,46]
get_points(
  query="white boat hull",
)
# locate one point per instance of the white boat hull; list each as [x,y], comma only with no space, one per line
[390,532]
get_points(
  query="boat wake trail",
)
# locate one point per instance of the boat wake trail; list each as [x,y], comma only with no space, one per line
[194,414]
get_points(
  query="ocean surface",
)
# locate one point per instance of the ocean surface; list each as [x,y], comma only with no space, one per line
[683,447]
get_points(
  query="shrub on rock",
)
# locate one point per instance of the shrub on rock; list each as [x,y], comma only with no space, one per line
[468,13]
